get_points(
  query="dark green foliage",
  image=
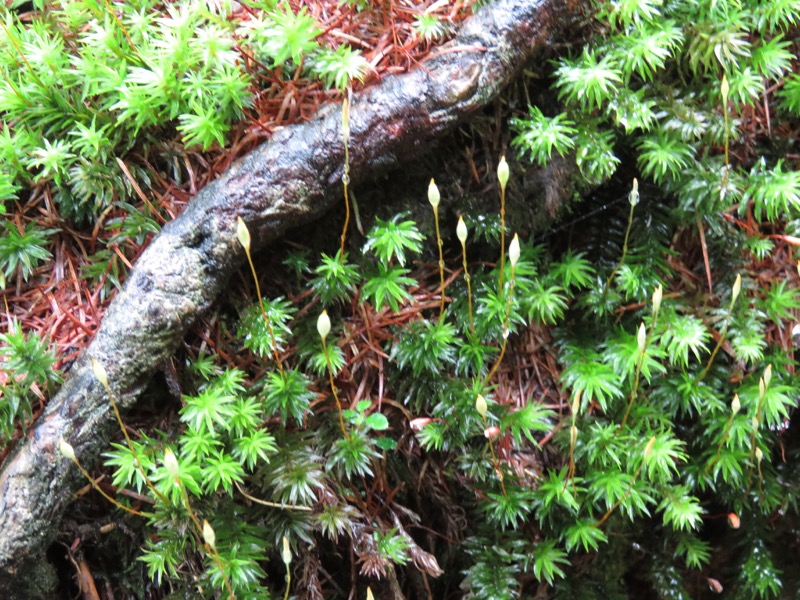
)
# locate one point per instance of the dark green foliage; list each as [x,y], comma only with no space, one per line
[353,453]
[494,571]
[388,285]
[632,407]
[336,279]
[527,420]
[540,136]
[573,271]
[509,510]
[287,393]
[426,347]
[28,364]
[257,332]
[22,249]
[548,561]
[473,356]
[296,474]
[390,240]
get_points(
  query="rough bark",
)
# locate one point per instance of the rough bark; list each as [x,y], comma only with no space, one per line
[290,180]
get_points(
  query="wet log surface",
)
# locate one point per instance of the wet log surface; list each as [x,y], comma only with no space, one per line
[290,180]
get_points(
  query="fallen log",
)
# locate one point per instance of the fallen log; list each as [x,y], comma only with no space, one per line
[290,180]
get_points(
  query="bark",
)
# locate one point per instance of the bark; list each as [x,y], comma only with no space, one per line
[290,180]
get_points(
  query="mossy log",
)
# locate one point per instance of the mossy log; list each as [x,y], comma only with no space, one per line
[292,179]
